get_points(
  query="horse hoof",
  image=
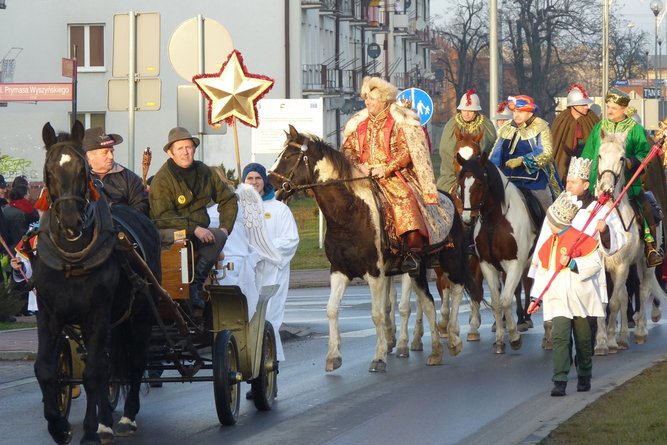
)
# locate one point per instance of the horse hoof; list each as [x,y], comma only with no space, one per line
[656,317]
[601,350]
[456,349]
[416,346]
[613,350]
[623,345]
[529,323]
[402,351]
[499,348]
[546,344]
[378,366]
[522,327]
[640,339]
[60,431]
[126,427]
[473,336]
[391,345]
[333,364]
[434,360]
[516,344]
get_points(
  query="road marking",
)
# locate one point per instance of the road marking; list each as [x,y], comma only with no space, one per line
[15,383]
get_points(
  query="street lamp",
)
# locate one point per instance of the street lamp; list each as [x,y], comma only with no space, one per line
[656,7]
[659,58]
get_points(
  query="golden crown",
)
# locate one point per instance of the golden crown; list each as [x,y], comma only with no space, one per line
[579,168]
[563,210]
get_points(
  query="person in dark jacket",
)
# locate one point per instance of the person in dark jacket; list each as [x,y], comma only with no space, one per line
[120,185]
[18,214]
[180,193]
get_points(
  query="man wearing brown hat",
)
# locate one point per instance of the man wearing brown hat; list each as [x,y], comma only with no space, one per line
[180,192]
[119,184]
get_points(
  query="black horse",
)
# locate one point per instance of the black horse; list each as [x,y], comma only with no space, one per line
[83,278]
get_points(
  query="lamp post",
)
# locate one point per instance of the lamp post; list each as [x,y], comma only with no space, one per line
[656,7]
[659,67]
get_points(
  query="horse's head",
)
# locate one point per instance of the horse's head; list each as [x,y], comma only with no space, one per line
[67,178]
[306,161]
[472,182]
[611,160]
[469,143]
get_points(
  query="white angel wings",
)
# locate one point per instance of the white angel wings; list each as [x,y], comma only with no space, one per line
[250,203]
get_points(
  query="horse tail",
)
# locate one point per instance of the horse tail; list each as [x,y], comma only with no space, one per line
[464,274]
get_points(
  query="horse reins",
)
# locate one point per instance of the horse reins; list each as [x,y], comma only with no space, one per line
[287,186]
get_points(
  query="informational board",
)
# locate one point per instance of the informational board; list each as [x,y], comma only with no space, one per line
[275,116]
[420,101]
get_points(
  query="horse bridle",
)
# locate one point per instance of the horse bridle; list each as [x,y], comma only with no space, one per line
[615,175]
[287,185]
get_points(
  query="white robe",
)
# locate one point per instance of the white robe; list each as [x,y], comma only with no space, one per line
[576,294]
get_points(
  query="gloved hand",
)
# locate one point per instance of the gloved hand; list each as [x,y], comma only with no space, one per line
[514,163]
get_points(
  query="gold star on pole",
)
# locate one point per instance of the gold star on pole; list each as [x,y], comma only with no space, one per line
[233,92]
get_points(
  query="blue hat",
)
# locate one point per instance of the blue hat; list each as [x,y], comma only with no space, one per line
[258,168]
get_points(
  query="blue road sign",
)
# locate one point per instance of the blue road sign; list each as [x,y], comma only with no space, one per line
[421,102]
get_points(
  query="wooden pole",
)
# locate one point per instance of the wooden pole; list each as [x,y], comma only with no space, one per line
[236,147]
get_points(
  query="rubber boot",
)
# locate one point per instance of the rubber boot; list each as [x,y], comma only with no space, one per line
[202,269]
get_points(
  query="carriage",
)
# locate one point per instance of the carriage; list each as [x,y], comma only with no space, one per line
[104,313]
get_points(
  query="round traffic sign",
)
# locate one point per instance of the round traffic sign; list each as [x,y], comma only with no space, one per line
[184,47]
[373,50]
[420,101]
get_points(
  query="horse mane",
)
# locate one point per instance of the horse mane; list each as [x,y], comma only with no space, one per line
[341,164]
[494,181]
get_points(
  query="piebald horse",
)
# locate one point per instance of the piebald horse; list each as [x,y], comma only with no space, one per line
[353,241]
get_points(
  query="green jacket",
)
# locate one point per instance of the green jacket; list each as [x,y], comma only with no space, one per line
[636,146]
[174,206]
[447,177]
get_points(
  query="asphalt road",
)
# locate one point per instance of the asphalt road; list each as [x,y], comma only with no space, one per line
[474,398]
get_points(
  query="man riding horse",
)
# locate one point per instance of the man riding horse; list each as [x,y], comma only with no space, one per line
[636,149]
[386,141]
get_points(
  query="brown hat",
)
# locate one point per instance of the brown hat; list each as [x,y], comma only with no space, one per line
[95,138]
[178,134]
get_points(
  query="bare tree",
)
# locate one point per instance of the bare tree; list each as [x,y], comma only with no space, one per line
[628,52]
[465,36]
[547,40]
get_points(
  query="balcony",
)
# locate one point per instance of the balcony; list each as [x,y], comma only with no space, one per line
[321,79]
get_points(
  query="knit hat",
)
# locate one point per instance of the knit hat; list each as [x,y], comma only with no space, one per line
[522,103]
[579,168]
[469,101]
[179,134]
[378,89]
[577,95]
[95,138]
[503,111]
[561,213]
[258,168]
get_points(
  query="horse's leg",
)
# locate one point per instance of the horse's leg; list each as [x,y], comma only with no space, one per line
[648,286]
[98,419]
[617,303]
[492,278]
[475,316]
[527,287]
[521,324]
[390,317]
[404,310]
[418,333]
[454,343]
[339,283]
[512,279]
[420,285]
[46,371]
[442,284]
[379,292]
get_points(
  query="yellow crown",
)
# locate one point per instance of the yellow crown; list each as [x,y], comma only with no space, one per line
[579,168]
[563,210]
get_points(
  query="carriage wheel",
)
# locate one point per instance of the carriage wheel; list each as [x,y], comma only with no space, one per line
[226,378]
[265,385]
[64,363]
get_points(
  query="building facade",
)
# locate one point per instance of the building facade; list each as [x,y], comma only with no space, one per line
[310,48]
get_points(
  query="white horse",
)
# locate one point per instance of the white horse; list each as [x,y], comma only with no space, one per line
[611,161]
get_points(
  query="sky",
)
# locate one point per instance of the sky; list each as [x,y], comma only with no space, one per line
[636,11]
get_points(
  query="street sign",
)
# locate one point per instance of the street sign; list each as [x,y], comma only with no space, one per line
[420,101]
[373,50]
[35,92]
[148,94]
[147,45]
[652,93]
[68,67]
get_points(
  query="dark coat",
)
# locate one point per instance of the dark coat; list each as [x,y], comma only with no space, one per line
[17,221]
[123,186]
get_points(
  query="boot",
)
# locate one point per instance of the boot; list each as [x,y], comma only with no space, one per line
[558,389]
[583,383]
[415,243]
[202,269]
[653,256]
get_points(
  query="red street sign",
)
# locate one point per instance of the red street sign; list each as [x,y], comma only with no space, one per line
[35,92]
[68,67]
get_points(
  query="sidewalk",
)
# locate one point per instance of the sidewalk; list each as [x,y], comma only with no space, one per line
[21,344]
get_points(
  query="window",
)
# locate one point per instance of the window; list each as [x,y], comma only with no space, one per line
[87,43]
[91,120]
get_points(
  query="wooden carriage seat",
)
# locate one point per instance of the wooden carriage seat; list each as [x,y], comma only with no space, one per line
[177,266]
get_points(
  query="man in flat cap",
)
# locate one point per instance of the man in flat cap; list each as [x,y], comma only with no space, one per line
[120,184]
[180,192]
